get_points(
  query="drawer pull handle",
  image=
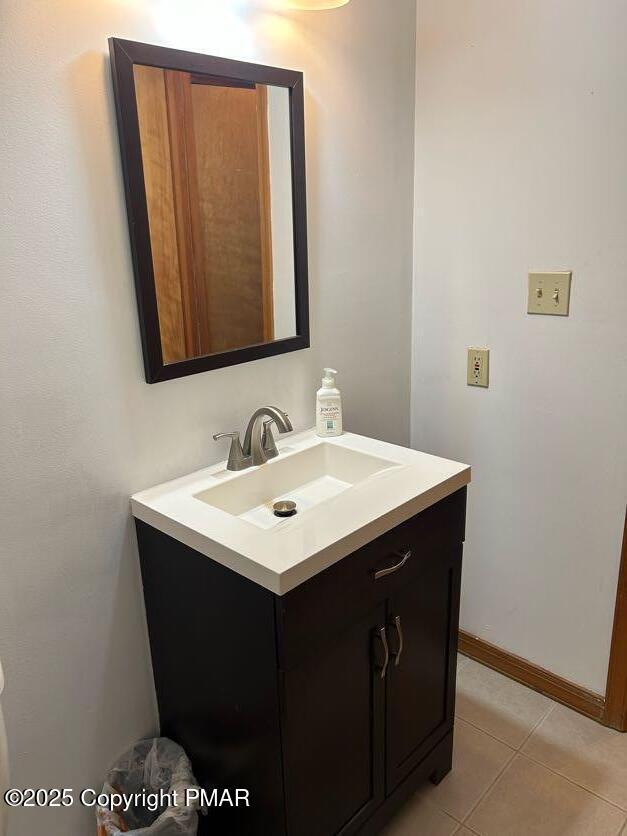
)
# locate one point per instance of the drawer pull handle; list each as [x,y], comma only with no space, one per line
[380,634]
[381,573]
[399,634]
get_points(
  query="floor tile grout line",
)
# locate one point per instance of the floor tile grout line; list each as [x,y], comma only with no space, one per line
[450,815]
[475,832]
[517,748]
[538,724]
[537,762]
[553,702]
[455,818]
[490,734]
[515,751]
[463,821]
[534,760]
[622,828]
[489,787]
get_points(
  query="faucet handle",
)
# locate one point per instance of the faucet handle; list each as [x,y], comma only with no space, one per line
[236,459]
[267,439]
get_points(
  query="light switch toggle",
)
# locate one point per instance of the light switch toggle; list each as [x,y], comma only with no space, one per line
[549,293]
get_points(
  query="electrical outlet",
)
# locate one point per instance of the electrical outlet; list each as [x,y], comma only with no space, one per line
[549,293]
[478,367]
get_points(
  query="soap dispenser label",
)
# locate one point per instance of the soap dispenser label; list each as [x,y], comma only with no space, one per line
[329,417]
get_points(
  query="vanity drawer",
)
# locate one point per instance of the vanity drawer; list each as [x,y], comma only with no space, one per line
[311,614]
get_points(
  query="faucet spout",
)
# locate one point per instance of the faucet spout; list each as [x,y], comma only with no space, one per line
[253,439]
[259,443]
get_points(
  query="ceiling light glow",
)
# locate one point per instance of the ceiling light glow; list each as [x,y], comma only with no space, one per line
[314,5]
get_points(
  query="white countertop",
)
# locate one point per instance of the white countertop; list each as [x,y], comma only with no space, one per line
[297,548]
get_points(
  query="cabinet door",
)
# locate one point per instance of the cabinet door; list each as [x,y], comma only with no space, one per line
[333,716]
[422,629]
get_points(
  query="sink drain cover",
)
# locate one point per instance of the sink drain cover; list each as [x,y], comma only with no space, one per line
[284,508]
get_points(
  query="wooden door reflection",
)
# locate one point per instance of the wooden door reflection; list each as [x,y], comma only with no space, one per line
[205,157]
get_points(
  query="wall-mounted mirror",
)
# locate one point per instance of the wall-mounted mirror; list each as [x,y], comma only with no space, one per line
[214,167]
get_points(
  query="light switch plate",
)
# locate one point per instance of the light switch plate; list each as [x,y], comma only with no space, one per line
[478,373]
[549,293]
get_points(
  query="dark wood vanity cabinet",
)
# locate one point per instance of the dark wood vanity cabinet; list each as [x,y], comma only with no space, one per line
[330,704]
[333,733]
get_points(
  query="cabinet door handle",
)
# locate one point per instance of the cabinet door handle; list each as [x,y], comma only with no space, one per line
[404,557]
[380,634]
[399,634]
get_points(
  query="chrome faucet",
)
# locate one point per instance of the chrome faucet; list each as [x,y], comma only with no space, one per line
[259,445]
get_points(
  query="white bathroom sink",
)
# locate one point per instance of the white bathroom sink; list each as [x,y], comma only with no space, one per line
[348,490]
[307,477]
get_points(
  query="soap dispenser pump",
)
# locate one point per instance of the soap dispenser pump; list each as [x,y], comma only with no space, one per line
[328,407]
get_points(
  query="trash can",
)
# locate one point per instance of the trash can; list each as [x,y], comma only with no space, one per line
[147,792]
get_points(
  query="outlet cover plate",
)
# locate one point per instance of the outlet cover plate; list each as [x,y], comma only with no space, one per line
[549,293]
[478,372]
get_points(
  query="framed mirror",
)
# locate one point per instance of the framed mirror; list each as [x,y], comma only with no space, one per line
[213,156]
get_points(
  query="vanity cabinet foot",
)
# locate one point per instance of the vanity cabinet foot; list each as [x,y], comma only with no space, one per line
[445,765]
[332,703]
[434,763]
[440,774]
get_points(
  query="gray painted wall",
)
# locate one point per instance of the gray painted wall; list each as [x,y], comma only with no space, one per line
[520,148]
[79,428]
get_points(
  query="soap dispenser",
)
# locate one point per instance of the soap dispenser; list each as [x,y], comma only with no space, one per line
[328,407]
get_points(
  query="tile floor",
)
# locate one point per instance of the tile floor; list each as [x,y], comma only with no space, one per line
[523,765]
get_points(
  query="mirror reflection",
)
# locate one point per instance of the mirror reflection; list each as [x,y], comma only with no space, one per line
[217,168]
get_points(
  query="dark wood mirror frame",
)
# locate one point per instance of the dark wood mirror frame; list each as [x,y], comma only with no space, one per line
[124,55]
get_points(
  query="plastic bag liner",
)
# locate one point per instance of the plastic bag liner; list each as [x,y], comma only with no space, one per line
[150,766]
